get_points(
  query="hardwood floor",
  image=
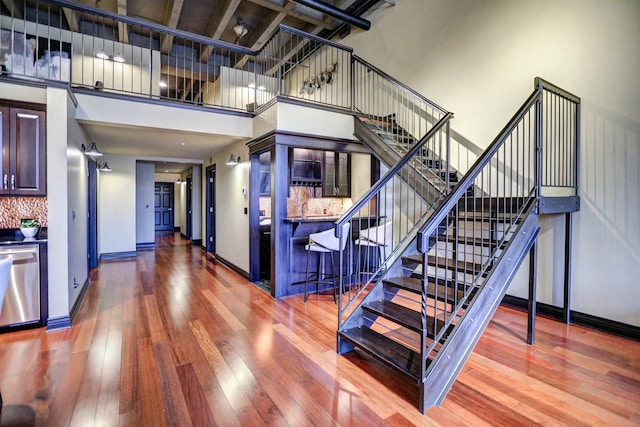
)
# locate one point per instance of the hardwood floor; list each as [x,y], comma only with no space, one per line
[170,338]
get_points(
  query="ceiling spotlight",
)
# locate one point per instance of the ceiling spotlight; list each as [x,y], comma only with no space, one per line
[162,84]
[240,29]
[102,55]
[118,58]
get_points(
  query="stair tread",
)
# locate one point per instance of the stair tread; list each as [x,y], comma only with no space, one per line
[404,316]
[385,349]
[414,284]
[443,262]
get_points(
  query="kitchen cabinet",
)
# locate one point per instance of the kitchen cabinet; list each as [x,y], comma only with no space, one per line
[336,180]
[306,167]
[23,161]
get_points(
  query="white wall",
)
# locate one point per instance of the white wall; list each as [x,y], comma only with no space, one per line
[117,206]
[58,203]
[478,59]
[232,225]
[145,206]
[77,208]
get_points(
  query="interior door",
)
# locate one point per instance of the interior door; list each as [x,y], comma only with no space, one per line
[211,209]
[92,220]
[163,200]
[189,215]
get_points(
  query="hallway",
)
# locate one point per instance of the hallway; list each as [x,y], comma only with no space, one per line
[172,338]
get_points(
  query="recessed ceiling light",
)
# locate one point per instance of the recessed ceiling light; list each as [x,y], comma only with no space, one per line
[162,84]
[182,143]
[166,171]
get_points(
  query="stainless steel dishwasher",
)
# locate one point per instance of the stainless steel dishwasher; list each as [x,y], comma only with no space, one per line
[22,300]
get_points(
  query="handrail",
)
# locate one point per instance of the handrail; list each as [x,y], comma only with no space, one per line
[391,173]
[400,84]
[540,84]
[458,191]
[315,38]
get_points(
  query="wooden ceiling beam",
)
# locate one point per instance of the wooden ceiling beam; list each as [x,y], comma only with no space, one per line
[123,32]
[172,16]
[72,19]
[172,71]
[291,12]
[15,8]
[217,25]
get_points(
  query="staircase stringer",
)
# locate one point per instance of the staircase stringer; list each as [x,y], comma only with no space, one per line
[451,357]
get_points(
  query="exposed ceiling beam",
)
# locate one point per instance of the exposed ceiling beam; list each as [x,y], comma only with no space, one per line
[188,88]
[336,12]
[15,8]
[265,33]
[217,26]
[185,73]
[172,16]
[298,15]
[123,33]
[72,19]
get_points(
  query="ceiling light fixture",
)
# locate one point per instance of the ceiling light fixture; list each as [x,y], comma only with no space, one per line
[102,55]
[118,58]
[162,84]
[240,29]
[233,161]
[92,151]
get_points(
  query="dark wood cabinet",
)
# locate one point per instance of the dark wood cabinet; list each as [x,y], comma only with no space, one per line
[336,181]
[23,162]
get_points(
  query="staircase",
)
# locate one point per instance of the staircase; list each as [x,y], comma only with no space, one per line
[458,239]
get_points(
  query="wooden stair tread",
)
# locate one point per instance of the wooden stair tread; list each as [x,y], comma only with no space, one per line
[385,349]
[414,284]
[442,262]
[402,315]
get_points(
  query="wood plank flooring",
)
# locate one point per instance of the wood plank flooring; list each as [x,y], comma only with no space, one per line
[172,338]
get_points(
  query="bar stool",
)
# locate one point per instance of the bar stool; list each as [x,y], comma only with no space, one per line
[5,269]
[324,242]
[380,238]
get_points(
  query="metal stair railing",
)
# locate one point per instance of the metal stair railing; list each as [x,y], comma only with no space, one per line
[396,197]
[486,208]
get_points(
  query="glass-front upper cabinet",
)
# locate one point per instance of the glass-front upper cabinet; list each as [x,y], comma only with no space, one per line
[336,181]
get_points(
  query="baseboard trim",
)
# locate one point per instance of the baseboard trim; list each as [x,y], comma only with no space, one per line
[76,305]
[58,323]
[143,246]
[196,242]
[118,255]
[176,229]
[594,322]
[228,264]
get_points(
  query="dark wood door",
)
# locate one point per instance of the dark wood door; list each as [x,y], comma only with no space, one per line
[211,209]
[27,153]
[163,201]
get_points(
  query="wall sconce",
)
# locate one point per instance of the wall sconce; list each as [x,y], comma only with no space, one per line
[92,151]
[233,161]
[104,167]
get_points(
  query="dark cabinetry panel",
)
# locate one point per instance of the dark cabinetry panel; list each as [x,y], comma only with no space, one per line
[23,165]
[336,181]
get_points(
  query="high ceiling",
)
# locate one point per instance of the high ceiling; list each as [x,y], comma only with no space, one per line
[214,19]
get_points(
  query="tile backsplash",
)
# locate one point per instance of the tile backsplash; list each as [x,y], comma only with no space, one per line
[12,209]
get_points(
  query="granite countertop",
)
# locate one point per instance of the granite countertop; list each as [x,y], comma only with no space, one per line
[312,218]
[14,237]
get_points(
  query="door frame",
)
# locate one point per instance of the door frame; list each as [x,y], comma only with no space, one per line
[92,214]
[211,209]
